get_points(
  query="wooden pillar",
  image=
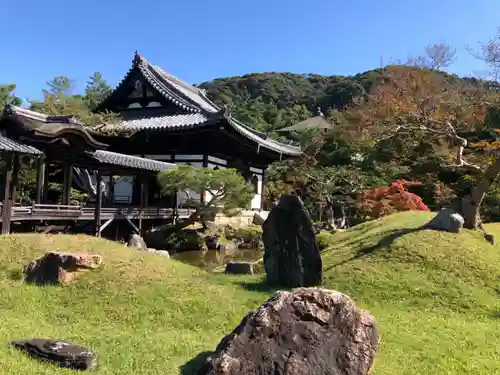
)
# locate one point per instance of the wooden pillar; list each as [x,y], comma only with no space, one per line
[141,198]
[40,179]
[68,179]
[15,178]
[98,204]
[7,181]
[45,189]
[146,191]
[262,196]
[204,165]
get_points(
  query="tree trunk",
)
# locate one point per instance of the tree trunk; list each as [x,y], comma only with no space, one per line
[472,202]
[181,224]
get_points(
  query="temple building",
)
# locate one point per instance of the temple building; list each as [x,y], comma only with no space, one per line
[166,119]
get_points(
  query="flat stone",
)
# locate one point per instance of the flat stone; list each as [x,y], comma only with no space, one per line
[163,253]
[239,268]
[63,353]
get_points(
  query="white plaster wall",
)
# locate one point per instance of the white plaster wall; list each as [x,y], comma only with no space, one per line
[257,198]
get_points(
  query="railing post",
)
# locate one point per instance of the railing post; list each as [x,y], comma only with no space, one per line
[40,179]
[98,204]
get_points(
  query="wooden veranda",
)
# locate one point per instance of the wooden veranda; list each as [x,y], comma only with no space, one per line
[57,140]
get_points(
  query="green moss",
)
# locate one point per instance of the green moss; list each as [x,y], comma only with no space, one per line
[434,295]
[324,239]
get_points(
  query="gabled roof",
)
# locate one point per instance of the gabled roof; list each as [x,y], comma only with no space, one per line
[181,93]
[192,99]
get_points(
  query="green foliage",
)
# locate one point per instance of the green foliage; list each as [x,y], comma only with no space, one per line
[7,96]
[185,240]
[227,188]
[247,233]
[324,239]
[97,90]
[59,99]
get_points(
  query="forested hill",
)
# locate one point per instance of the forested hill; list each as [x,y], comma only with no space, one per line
[273,100]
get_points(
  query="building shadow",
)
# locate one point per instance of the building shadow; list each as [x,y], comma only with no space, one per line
[385,242]
[195,365]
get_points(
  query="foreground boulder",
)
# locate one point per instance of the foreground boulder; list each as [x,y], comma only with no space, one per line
[292,256]
[59,268]
[446,220]
[308,331]
[60,352]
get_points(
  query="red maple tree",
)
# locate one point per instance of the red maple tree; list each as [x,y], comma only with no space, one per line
[381,201]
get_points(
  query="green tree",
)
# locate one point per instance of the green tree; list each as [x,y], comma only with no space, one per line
[97,90]
[59,99]
[227,189]
[7,96]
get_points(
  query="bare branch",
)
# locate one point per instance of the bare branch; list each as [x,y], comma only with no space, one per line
[436,56]
[489,53]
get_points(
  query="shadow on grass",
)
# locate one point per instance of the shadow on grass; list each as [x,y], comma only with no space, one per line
[260,285]
[14,274]
[196,365]
[386,241]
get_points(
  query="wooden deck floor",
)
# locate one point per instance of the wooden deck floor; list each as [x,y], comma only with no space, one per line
[44,212]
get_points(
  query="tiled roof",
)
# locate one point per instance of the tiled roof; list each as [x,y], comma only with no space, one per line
[268,143]
[317,122]
[195,101]
[49,125]
[163,122]
[7,144]
[114,158]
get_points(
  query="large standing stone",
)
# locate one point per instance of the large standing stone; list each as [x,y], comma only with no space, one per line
[304,332]
[61,352]
[59,268]
[446,220]
[292,256]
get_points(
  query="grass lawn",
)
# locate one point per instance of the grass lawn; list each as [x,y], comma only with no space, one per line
[436,297]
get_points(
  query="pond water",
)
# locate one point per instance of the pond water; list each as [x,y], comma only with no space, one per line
[212,259]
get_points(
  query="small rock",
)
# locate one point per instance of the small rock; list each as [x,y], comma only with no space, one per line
[239,268]
[212,242]
[490,238]
[227,248]
[137,241]
[446,220]
[59,268]
[163,253]
[63,353]
[307,331]
[260,217]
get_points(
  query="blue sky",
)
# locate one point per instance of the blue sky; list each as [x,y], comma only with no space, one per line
[201,40]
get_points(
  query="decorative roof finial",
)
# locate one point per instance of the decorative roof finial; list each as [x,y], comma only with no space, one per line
[137,57]
[320,113]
